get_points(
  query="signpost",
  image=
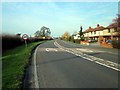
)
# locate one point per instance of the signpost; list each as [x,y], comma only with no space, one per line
[25,37]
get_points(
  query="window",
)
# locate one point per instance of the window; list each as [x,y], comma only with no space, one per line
[108,30]
[94,32]
[115,29]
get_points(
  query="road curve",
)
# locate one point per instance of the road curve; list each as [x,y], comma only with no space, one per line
[57,68]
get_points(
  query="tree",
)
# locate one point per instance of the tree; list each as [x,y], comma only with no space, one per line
[44,32]
[115,24]
[66,36]
[37,33]
[117,19]
[80,32]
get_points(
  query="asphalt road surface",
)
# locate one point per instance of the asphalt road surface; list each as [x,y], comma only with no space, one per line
[60,64]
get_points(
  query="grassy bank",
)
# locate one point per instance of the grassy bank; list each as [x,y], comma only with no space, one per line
[13,65]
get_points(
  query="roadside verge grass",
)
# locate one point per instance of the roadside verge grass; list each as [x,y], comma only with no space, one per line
[13,65]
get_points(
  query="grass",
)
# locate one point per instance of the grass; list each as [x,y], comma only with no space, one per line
[13,65]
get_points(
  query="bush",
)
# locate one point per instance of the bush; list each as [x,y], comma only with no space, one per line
[82,38]
[76,41]
[116,44]
[9,41]
[71,39]
[12,41]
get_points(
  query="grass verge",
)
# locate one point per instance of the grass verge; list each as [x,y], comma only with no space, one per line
[13,65]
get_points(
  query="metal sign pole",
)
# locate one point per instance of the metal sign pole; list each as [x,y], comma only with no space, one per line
[25,43]
[25,37]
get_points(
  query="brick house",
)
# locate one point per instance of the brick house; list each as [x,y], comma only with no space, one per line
[94,33]
[100,33]
[113,32]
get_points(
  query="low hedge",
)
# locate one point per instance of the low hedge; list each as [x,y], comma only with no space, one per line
[12,41]
[116,44]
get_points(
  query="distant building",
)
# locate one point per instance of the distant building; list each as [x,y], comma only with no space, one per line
[100,33]
[77,36]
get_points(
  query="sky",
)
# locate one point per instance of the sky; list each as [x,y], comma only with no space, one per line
[60,17]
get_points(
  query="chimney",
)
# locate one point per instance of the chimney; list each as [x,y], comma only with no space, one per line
[89,27]
[98,25]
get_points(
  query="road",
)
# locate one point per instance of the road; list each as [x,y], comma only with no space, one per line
[60,64]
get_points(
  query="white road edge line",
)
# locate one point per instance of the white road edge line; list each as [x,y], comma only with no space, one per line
[35,70]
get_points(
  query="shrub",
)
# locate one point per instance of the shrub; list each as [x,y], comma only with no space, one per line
[116,44]
[77,41]
[82,39]
[12,41]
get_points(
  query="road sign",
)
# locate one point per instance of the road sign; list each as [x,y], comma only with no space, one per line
[25,37]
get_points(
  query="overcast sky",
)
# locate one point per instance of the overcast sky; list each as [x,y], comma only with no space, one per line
[28,17]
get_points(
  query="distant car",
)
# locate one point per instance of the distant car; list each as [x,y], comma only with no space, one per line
[109,41]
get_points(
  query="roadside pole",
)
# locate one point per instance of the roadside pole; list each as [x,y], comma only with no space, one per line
[26,43]
[25,37]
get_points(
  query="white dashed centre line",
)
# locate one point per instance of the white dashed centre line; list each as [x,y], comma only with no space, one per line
[84,50]
[100,61]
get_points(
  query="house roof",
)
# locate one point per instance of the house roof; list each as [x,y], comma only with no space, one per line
[114,25]
[88,30]
[99,28]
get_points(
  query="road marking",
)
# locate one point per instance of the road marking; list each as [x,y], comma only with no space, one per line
[84,50]
[47,50]
[35,70]
[97,60]
[51,49]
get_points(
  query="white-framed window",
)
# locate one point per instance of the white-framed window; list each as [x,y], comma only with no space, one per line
[94,32]
[91,32]
[115,29]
